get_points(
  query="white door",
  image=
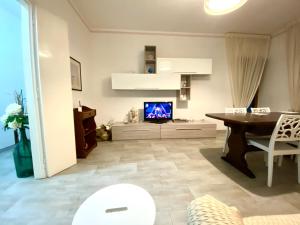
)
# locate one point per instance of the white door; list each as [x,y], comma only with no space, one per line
[55,92]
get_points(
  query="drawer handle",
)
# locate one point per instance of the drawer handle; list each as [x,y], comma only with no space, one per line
[188,129]
[136,130]
[120,209]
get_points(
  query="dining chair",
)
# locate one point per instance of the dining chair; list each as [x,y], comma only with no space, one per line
[231,110]
[287,130]
[235,110]
[267,110]
[264,110]
[261,110]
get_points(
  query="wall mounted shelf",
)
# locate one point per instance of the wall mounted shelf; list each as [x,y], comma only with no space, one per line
[150,59]
[186,67]
[189,66]
[133,81]
[184,94]
[172,74]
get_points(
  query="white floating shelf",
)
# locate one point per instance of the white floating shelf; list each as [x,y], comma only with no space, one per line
[133,81]
[190,66]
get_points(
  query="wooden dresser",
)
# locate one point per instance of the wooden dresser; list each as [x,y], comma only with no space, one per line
[188,130]
[85,131]
[131,131]
[135,131]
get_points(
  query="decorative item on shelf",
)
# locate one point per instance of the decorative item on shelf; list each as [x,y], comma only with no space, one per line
[16,118]
[126,119]
[183,97]
[133,115]
[79,107]
[104,132]
[150,69]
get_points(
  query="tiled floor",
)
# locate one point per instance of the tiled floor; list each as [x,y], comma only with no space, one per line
[173,171]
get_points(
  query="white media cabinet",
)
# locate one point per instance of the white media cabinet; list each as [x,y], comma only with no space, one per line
[168,76]
[139,131]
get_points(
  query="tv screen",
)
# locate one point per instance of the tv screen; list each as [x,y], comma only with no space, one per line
[158,111]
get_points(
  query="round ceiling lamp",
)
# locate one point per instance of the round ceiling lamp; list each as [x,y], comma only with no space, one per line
[220,7]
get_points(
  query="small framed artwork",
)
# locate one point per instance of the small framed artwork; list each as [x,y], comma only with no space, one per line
[76,74]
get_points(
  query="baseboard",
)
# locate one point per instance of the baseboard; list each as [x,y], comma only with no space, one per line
[6,148]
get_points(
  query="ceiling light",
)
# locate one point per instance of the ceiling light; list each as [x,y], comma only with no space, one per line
[220,7]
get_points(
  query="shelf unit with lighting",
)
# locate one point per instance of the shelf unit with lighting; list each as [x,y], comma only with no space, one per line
[150,59]
[184,94]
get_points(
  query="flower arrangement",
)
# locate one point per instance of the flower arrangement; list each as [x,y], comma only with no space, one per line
[15,116]
[104,132]
[108,125]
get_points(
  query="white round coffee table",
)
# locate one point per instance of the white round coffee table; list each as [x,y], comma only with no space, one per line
[120,204]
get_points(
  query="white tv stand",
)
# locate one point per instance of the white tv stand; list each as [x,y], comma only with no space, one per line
[144,130]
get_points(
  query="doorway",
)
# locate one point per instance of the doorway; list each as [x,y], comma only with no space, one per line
[18,66]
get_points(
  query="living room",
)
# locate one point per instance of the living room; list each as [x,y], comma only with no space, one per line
[104,38]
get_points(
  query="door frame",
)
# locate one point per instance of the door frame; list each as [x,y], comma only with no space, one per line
[32,85]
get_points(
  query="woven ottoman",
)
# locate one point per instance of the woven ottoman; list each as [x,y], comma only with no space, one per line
[207,210]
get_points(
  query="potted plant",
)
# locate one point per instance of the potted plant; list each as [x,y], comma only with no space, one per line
[16,118]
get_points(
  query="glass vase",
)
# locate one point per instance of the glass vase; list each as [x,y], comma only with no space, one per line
[22,156]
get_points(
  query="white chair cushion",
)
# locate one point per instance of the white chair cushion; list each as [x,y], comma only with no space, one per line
[292,219]
[207,210]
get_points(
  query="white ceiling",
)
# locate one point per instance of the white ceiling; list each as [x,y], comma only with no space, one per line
[185,16]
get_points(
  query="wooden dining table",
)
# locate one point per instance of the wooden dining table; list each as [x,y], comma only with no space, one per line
[240,124]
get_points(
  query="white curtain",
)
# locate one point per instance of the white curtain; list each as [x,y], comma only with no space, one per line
[246,57]
[293,60]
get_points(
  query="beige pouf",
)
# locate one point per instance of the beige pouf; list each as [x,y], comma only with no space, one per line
[207,210]
[291,219]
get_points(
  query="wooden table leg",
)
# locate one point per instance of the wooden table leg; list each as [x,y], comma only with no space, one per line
[237,149]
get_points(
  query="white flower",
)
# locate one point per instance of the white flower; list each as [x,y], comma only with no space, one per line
[13,109]
[14,125]
[4,118]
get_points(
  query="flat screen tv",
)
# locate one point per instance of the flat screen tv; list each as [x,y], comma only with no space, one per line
[158,111]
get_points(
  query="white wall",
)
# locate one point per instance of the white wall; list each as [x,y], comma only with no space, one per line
[125,52]
[11,63]
[79,42]
[273,91]
[101,54]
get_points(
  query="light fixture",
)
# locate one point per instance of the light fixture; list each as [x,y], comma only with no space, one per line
[220,7]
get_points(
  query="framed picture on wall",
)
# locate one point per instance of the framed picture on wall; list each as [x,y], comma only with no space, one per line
[76,74]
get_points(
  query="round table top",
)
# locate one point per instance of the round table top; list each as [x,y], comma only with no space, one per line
[118,204]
